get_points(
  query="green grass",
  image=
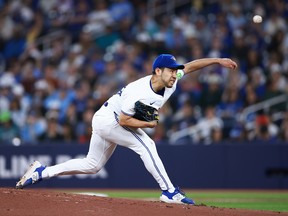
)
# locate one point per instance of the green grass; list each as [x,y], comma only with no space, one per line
[257,200]
[268,200]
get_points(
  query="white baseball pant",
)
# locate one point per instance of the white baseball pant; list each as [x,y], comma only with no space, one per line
[106,134]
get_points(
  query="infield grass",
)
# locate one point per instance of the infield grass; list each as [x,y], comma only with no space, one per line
[247,199]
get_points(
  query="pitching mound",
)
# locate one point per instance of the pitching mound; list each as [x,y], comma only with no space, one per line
[30,202]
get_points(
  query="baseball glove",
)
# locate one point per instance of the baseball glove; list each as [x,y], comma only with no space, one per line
[145,112]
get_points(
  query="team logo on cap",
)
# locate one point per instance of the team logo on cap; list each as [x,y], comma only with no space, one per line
[173,58]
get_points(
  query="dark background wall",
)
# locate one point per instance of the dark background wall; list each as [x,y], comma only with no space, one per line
[241,165]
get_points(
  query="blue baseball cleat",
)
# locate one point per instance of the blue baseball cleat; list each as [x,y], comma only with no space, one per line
[177,196]
[32,175]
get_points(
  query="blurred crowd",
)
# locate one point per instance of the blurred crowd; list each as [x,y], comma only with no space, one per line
[60,60]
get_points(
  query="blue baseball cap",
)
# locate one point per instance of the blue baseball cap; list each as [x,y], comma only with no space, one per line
[167,61]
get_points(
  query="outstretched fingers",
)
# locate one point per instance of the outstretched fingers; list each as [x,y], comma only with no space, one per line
[226,62]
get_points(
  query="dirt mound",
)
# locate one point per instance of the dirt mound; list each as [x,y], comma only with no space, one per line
[32,202]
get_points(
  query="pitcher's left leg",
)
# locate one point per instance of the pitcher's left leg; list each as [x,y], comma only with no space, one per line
[99,152]
[138,141]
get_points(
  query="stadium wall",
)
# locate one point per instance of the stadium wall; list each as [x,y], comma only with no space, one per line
[242,165]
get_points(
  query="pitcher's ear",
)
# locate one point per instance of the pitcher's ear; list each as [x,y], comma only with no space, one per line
[158,71]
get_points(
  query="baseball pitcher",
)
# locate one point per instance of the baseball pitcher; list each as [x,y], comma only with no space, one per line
[120,121]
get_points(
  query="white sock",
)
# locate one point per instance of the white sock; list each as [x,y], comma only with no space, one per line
[171,190]
[45,174]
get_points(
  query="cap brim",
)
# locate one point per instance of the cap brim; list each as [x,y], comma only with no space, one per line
[177,66]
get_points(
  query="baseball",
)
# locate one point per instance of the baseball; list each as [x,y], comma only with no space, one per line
[257,19]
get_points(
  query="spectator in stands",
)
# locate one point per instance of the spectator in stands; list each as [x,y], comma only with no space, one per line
[249,95]
[14,47]
[34,127]
[41,92]
[229,109]
[188,90]
[265,130]
[209,127]
[18,113]
[84,128]
[68,133]
[236,17]
[274,23]
[236,78]
[126,33]
[249,98]
[216,136]
[79,18]
[71,114]
[202,32]
[253,59]
[258,81]
[212,93]
[146,28]
[8,130]
[58,14]
[74,58]
[109,37]
[239,48]
[52,56]
[99,18]
[6,82]
[82,93]
[160,134]
[273,91]
[53,132]
[277,77]
[7,23]
[62,97]
[276,43]
[185,116]
[164,114]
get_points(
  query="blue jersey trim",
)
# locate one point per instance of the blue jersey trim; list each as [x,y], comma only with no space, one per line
[161,92]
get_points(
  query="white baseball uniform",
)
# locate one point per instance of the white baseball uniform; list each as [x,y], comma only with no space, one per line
[107,134]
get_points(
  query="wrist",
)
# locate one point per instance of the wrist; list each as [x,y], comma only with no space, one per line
[152,124]
[218,60]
